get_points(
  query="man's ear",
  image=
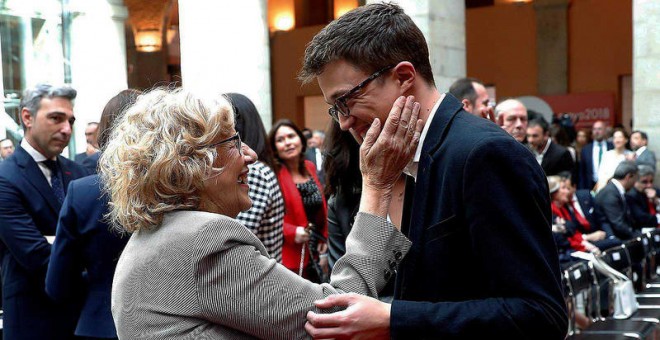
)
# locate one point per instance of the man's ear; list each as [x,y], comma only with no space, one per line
[466,104]
[406,74]
[27,118]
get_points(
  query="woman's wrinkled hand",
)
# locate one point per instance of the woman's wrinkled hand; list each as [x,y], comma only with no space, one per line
[386,151]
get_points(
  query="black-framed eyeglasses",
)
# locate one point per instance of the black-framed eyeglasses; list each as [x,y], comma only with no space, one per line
[340,106]
[235,138]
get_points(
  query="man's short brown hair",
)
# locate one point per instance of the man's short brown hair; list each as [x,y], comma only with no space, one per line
[370,37]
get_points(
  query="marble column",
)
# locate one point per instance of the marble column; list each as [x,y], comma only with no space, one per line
[225,48]
[443,25]
[98,59]
[646,72]
[552,46]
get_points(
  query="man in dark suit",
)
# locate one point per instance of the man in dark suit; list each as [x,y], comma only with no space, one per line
[592,155]
[92,145]
[552,157]
[6,148]
[483,263]
[472,93]
[611,203]
[643,200]
[314,153]
[643,156]
[32,188]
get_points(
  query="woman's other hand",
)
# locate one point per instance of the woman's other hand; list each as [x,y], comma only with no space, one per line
[302,235]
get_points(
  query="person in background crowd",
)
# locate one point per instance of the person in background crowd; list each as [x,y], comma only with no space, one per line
[638,143]
[266,216]
[592,156]
[317,139]
[86,250]
[567,237]
[563,133]
[511,115]
[612,158]
[308,134]
[190,270]
[33,184]
[611,205]
[472,93]
[6,148]
[582,139]
[581,208]
[552,157]
[643,200]
[315,153]
[477,205]
[92,146]
[343,188]
[305,215]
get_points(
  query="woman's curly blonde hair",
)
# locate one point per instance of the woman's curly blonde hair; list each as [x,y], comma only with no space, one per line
[157,156]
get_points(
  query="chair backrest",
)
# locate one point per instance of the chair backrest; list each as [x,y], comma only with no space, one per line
[654,254]
[638,250]
[580,283]
[618,259]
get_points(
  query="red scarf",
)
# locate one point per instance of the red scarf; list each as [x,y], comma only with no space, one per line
[576,239]
[580,219]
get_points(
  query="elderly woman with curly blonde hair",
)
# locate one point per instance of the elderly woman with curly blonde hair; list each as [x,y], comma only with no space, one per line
[176,173]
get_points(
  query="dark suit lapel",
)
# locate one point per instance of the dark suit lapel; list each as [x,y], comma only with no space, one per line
[435,135]
[33,175]
[407,204]
[67,175]
[414,212]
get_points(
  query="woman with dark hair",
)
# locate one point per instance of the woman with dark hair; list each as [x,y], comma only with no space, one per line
[343,187]
[85,251]
[305,216]
[266,216]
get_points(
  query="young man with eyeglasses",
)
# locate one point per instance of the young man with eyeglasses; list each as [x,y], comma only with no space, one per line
[483,261]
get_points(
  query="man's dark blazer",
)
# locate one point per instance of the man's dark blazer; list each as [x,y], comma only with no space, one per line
[586,177]
[80,157]
[84,241]
[28,212]
[639,210]
[90,163]
[588,205]
[647,157]
[483,263]
[613,211]
[557,159]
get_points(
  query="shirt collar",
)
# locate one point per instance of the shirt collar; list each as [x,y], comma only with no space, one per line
[411,168]
[639,151]
[427,124]
[618,186]
[36,155]
[545,148]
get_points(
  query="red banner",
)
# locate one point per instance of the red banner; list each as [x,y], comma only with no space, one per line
[584,108]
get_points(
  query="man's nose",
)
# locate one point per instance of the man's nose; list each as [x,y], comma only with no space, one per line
[345,122]
[66,128]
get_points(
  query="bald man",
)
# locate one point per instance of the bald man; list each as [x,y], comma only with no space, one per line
[511,115]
